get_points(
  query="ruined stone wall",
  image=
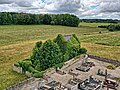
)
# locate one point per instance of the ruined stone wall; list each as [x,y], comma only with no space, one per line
[19,86]
[114,62]
[17,69]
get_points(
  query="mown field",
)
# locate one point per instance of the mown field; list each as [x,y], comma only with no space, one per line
[17,41]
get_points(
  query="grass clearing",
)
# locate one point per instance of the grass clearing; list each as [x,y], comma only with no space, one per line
[17,41]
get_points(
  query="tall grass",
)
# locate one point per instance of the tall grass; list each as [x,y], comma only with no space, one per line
[17,41]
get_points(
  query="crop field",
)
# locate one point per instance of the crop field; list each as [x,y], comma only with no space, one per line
[17,41]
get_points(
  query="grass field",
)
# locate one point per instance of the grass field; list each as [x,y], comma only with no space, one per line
[92,24]
[17,41]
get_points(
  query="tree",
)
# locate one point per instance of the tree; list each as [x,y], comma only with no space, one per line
[28,19]
[48,55]
[111,28]
[46,19]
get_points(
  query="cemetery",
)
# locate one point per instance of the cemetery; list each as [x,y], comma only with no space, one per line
[86,72]
[69,78]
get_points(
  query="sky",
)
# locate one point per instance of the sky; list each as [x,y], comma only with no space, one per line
[88,9]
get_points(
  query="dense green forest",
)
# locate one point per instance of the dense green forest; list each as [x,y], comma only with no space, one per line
[52,53]
[100,20]
[8,18]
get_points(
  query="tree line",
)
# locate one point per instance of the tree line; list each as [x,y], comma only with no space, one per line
[111,27]
[12,18]
[100,20]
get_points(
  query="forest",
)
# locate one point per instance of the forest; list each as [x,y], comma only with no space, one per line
[100,20]
[12,18]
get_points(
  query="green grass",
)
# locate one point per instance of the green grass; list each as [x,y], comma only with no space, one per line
[110,39]
[92,24]
[17,41]
[15,33]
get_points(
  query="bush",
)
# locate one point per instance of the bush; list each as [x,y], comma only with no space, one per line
[32,70]
[38,44]
[39,74]
[102,26]
[25,65]
[17,64]
[111,28]
[112,67]
[82,51]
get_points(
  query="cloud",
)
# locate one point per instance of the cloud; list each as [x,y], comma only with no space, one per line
[81,8]
[25,3]
[110,6]
[6,1]
[69,6]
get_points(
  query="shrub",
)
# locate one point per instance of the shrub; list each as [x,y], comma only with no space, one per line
[111,28]
[112,67]
[102,26]
[25,65]
[38,44]
[17,64]
[82,51]
[39,74]
[32,70]
[58,66]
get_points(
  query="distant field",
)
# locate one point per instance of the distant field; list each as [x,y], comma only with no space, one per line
[17,41]
[17,33]
[110,39]
[93,24]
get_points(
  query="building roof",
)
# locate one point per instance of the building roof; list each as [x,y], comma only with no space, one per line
[67,37]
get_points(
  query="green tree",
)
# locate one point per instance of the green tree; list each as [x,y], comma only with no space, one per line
[111,28]
[47,55]
[46,19]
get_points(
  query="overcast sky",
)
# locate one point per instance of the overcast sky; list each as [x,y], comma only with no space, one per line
[82,8]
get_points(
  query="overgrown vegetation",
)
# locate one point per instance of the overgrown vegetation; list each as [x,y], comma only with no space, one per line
[9,18]
[51,54]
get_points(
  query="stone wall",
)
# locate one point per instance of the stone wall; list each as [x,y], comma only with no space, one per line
[18,86]
[28,74]
[114,62]
[17,69]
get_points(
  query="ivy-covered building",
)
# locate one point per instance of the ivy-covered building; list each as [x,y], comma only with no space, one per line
[52,53]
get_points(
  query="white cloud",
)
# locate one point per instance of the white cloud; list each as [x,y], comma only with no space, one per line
[81,8]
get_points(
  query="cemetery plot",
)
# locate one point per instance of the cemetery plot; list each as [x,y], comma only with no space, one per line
[97,69]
